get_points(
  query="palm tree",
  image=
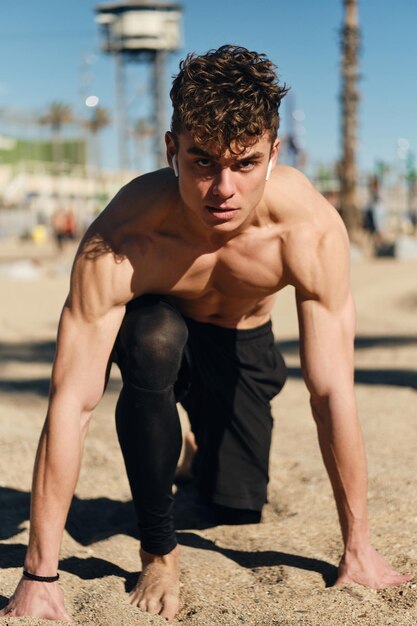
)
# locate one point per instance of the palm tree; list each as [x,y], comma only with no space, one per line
[142,131]
[57,115]
[99,119]
[350,40]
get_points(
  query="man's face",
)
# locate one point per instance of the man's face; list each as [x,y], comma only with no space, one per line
[221,193]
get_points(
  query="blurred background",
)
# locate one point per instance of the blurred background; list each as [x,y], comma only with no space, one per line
[84,105]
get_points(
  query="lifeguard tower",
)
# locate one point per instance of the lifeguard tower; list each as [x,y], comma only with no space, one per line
[145,31]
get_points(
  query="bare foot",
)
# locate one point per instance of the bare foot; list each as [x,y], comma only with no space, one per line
[184,471]
[35,599]
[157,590]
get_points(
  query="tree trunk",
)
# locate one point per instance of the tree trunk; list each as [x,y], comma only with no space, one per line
[349,101]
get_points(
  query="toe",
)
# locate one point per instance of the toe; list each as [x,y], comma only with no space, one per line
[8,610]
[170,607]
[154,606]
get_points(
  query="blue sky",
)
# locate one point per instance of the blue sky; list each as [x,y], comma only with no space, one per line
[44,45]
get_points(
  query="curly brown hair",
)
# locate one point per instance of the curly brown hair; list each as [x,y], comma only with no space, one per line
[226,99]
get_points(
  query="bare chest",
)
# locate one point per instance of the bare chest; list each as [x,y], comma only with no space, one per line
[230,274]
[232,285]
[244,268]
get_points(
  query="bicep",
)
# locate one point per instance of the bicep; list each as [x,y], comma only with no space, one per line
[326,344]
[325,310]
[89,323]
[83,351]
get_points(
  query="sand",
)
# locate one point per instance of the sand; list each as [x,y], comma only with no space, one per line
[278,573]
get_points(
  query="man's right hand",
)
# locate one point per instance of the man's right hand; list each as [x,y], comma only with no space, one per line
[36,599]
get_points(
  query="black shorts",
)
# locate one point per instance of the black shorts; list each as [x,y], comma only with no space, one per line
[226,382]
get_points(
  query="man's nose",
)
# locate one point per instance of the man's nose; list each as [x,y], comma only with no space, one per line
[223,184]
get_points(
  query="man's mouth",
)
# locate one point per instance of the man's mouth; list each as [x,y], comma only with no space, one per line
[222,213]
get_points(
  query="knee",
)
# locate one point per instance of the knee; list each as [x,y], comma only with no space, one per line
[151,344]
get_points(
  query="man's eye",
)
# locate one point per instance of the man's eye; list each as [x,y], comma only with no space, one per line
[246,165]
[204,162]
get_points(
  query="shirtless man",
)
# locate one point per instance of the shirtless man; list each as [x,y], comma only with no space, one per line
[182,268]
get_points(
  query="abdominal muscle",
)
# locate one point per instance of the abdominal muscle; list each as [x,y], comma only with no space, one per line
[227,295]
[214,308]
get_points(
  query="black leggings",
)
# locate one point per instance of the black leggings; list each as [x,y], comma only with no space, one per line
[149,351]
[165,358]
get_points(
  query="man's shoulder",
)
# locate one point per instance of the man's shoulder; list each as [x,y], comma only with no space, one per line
[289,178]
[121,239]
[300,209]
[147,191]
[313,237]
[137,208]
[289,192]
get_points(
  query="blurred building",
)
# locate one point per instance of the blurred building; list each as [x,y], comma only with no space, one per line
[34,184]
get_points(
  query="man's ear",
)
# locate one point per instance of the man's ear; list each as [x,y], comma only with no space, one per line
[171,150]
[275,152]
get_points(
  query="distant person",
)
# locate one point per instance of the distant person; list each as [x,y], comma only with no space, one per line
[177,279]
[375,220]
[64,226]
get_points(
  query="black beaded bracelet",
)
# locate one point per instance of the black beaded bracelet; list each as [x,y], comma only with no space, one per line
[40,579]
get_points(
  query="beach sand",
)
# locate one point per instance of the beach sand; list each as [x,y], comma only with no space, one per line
[278,573]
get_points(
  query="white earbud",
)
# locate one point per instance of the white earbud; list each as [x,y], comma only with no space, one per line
[268,171]
[174,165]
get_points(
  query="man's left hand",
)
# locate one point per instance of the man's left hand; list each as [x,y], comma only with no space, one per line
[366,567]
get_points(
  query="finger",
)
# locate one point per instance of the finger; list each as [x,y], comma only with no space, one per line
[393,581]
[400,579]
[68,618]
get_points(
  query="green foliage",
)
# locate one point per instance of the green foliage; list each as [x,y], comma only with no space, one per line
[14,151]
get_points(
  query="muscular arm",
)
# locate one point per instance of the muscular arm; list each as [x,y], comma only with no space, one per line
[90,319]
[77,384]
[326,339]
[327,325]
